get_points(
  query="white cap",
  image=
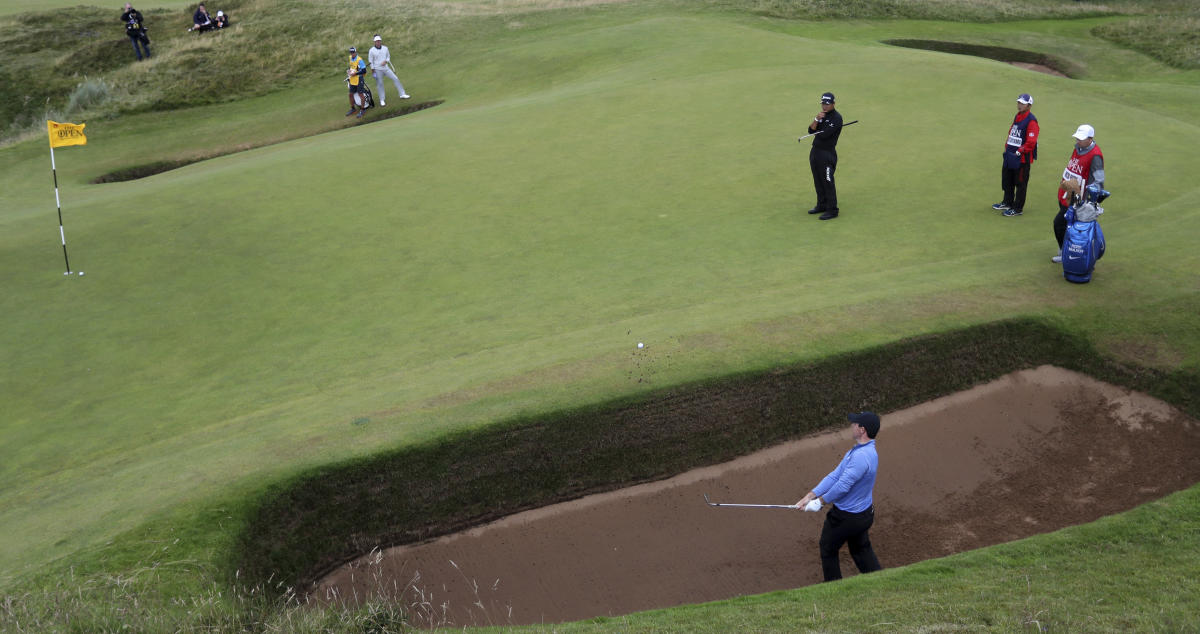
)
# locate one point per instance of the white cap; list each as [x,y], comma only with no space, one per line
[1085,131]
[378,39]
[220,13]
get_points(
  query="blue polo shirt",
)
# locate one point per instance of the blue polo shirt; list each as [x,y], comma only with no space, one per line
[850,485]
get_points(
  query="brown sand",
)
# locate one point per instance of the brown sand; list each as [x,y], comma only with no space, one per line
[1029,453]
[1040,68]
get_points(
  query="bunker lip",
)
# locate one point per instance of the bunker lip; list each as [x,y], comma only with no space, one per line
[1032,452]
[158,167]
[1028,60]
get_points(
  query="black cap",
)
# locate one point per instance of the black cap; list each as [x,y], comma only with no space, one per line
[867,420]
[827,98]
[353,50]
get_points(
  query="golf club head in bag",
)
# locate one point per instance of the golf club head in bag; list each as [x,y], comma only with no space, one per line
[1095,194]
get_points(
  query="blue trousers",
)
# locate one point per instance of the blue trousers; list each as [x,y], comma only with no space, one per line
[136,39]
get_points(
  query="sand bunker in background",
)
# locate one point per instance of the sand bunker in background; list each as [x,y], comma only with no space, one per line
[1029,453]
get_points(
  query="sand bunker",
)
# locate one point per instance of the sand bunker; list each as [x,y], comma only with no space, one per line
[1040,68]
[1029,453]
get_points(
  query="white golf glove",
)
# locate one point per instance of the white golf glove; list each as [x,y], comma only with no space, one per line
[813,506]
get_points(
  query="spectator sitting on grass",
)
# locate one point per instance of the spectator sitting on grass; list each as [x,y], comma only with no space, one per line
[201,20]
[222,20]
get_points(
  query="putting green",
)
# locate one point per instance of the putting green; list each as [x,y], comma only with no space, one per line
[635,180]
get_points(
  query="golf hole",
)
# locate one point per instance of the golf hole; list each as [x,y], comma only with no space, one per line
[1031,452]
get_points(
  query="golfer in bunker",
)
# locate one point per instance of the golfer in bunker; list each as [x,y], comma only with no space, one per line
[848,492]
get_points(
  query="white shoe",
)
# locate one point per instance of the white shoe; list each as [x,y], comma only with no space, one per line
[404,97]
[1056,259]
[382,102]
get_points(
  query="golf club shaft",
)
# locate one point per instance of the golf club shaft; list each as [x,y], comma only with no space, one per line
[753,506]
[820,131]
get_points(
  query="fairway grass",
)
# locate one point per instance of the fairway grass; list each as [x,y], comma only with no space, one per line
[588,184]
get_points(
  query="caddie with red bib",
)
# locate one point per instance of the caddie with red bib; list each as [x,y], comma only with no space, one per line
[1085,167]
[1020,150]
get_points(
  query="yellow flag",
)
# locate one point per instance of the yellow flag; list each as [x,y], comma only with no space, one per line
[66,133]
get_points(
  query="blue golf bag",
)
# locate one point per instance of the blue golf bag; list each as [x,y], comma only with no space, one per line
[1083,244]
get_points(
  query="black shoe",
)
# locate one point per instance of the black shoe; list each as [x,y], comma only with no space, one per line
[816,210]
[829,215]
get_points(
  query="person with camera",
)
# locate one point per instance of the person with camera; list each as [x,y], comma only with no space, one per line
[136,30]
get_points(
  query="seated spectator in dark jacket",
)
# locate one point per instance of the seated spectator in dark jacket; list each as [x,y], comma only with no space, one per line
[201,20]
[222,20]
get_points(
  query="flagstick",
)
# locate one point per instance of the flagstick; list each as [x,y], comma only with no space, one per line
[62,234]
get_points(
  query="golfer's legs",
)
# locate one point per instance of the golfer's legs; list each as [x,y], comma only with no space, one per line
[832,538]
[860,546]
[395,80]
[818,174]
[831,203]
[379,84]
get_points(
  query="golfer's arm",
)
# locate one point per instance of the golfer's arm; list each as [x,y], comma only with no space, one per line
[844,481]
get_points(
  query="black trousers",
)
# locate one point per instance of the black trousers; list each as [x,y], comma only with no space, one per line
[840,528]
[1060,224]
[823,164]
[1015,183]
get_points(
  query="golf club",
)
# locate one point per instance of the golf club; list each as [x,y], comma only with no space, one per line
[752,506]
[820,131]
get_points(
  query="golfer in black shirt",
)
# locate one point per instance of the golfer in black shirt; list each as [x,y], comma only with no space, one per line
[822,158]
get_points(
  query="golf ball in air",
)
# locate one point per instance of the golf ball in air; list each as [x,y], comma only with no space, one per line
[641,345]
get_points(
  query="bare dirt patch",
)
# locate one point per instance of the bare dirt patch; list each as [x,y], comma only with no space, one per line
[1031,452]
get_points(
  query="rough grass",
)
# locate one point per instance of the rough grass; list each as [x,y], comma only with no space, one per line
[1171,39]
[950,10]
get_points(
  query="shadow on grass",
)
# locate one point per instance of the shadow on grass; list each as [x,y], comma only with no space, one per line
[998,53]
[158,167]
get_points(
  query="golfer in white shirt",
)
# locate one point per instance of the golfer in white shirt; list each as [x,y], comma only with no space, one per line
[380,60]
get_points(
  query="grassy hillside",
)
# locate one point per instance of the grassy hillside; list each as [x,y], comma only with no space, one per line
[597,176]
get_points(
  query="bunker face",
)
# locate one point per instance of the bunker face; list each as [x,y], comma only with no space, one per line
[1029,453]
